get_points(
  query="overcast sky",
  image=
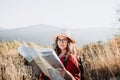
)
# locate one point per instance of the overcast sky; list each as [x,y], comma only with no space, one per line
[59,13]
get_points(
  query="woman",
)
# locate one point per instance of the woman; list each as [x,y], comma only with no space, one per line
[64,48]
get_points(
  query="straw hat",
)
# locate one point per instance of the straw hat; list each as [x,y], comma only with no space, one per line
[65,34]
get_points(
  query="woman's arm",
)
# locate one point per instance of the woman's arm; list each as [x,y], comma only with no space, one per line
[66,74]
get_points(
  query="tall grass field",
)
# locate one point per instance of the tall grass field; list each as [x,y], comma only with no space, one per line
[101,61]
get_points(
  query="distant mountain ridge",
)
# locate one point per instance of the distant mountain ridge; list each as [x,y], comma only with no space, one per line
[2,29]
[43,34]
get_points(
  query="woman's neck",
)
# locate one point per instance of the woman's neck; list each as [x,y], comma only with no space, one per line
[63,51]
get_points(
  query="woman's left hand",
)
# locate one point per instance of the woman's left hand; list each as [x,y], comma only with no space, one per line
[62,71]
[66,74]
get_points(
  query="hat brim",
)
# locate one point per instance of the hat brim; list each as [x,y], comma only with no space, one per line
[71,39]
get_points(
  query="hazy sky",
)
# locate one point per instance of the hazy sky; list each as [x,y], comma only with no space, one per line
[59,13]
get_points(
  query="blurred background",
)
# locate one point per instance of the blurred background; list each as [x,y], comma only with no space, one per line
[38,20]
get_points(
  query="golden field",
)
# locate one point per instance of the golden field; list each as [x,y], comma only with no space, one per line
[101,61]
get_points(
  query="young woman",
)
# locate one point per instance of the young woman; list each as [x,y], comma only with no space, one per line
[64,48]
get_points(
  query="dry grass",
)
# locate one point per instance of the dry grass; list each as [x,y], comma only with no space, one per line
[101,61]
[12,65]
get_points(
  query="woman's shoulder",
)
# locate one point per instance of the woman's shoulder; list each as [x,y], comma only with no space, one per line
[73,60]
[72,57]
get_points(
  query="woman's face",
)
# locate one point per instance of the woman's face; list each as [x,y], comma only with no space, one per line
[62,42]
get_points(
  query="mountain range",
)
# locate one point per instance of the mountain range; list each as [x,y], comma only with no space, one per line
[43,34]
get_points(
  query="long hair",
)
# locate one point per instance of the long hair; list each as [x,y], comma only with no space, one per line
[68,50]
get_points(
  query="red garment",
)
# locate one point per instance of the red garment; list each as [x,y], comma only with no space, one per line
[71,66]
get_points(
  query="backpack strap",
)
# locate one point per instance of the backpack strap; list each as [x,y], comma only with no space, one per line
[81,68]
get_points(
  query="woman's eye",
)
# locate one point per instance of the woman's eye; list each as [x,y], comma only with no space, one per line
[62,40]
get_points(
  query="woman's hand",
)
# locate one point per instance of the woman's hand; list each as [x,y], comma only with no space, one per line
[62,72]
[66,74]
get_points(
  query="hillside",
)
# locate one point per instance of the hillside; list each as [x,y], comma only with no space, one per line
[42,34]
[101,61]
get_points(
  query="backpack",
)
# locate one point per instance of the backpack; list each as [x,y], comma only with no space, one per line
[81,67]
[79,64]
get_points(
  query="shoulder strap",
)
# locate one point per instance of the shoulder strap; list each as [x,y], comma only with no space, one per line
[81,68]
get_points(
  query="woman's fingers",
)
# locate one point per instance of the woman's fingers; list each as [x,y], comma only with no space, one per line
[61,71]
